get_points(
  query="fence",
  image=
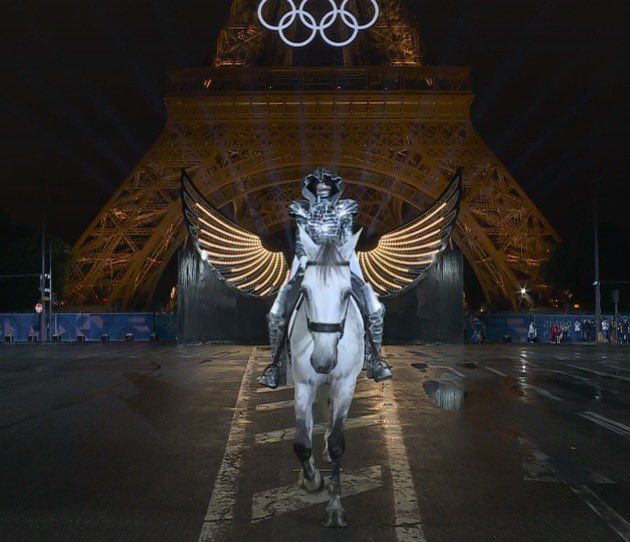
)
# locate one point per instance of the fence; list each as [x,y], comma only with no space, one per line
[21,327]
[69,327]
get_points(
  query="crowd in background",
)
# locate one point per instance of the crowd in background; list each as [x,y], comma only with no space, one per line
[584,331]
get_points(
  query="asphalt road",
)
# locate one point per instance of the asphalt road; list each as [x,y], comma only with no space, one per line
[165,443]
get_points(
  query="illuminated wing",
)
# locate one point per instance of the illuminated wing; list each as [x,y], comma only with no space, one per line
[403,256]
[236,254]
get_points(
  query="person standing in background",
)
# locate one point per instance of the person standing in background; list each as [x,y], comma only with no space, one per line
[577,331]
[606,329]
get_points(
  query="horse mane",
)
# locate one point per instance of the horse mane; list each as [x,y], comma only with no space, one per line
[329,257]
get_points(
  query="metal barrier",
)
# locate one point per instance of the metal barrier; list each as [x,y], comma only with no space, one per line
[91,327]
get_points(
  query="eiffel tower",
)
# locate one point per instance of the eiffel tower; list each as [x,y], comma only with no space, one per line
[250,126]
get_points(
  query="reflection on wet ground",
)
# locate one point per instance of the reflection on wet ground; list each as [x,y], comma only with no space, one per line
[503,442]
[447,393]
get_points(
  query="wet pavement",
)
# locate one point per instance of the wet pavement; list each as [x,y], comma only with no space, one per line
[167,443]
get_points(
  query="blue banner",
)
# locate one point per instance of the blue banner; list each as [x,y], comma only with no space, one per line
[92,326]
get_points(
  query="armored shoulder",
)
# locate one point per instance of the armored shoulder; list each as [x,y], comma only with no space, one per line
[298,209]
[347,208]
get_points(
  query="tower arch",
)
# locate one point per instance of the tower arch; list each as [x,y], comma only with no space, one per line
[247,133]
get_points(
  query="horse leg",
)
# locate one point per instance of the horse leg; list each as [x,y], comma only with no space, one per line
[325,454]
[309,477]
[342,398]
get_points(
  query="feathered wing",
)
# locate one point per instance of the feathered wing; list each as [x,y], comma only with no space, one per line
[235,253]
[403,256]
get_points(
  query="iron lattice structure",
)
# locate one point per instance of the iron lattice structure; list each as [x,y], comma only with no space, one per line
[248,132]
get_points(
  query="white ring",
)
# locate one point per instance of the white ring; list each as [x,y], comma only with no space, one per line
[309,22]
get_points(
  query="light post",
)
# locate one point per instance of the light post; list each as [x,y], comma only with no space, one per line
[615,299]
[53,330]
[596,282]
[42,289]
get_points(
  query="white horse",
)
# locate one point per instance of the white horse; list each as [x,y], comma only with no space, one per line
[327,346]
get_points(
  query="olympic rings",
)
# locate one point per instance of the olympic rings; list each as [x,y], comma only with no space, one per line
[307,19]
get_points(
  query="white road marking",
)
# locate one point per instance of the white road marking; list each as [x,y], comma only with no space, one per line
[278,405]
[537,466]
[568,374]
[288,433]
[597,505]
[454,371]
[607,423]
[408,519]
[269,390]
[544,393]
[598,373]
[221,508]
[274,502]
[495,371]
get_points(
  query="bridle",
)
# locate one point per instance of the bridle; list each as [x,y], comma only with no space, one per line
[319,327]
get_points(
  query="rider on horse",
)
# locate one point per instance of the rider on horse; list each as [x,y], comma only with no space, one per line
[326,218]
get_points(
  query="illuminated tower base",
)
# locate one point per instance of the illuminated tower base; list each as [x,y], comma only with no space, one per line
[210,310]
[248,129]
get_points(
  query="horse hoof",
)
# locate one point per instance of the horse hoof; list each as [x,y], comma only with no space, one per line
[335,518]
[313,485]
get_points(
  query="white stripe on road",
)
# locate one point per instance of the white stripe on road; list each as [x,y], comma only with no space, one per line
[598,373]
[495,371]
[461,375]
[546,394]
[222,502]
[537,465]
[569,374]
[607,423]
[597,505]
[290,498]
[408,519]
[288,433]
[278,405]
[269,390]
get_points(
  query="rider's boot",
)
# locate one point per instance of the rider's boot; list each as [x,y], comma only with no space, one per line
[376,365]
[275,374]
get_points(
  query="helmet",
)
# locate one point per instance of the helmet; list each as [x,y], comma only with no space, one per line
[321,175]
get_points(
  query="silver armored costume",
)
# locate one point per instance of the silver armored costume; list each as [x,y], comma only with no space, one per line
[327,218]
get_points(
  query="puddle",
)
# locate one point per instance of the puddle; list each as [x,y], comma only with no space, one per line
[446,393]
[586,392]
[420,366]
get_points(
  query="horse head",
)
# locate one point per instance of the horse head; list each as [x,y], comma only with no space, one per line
[327,291]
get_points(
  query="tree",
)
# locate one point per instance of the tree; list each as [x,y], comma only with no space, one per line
[569,270]
[20,254]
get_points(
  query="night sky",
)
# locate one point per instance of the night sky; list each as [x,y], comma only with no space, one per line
[83,80]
